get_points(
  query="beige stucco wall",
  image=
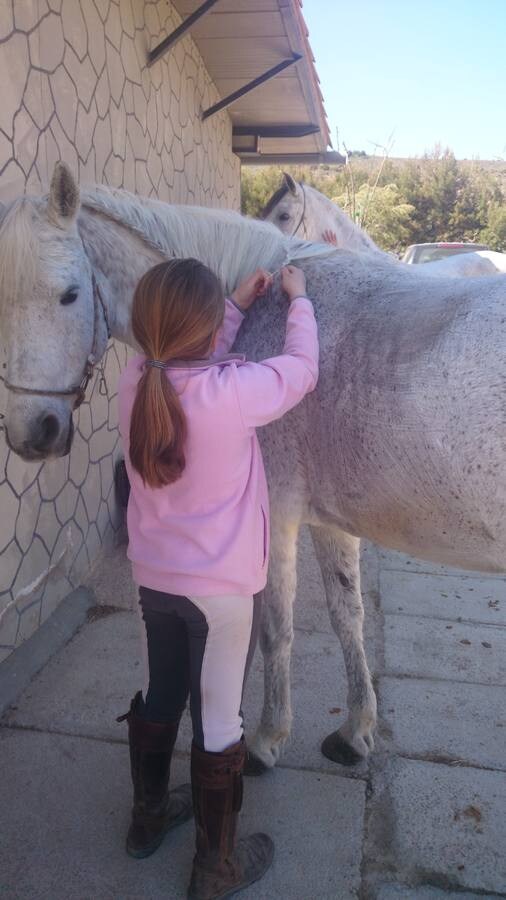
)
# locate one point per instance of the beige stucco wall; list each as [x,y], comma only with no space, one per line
[75,87]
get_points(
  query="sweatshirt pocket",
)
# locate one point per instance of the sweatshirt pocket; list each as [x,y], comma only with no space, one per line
[264,536]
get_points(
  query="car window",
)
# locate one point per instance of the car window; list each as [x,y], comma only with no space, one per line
[431,254]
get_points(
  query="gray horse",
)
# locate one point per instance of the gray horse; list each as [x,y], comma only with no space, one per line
[403,441]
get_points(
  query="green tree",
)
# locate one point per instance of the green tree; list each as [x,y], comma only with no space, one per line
[430,186]
[383,214]
[477,190]
[494,234]
[428,199]
[257,185]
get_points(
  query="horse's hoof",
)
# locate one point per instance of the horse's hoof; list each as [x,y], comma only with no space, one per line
[334,747]
[253,765]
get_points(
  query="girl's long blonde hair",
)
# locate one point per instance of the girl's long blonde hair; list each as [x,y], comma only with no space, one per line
[178,307]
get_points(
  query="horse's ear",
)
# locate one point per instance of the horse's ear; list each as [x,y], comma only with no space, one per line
[63,202]
[289,183]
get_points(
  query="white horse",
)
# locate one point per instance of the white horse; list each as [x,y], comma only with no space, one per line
[300,210]
[403,442]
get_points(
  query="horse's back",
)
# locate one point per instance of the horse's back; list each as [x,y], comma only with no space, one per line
[498,260]
[410,417]
[404,439]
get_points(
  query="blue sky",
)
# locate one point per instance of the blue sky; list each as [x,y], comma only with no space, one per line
[427,71]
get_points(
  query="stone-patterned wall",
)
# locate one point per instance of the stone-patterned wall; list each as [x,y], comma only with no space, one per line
[75,87]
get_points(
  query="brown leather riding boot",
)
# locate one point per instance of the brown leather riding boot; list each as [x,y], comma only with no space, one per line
[221,866]
[155,809]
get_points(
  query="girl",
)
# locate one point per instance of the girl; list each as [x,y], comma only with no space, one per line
[198,542]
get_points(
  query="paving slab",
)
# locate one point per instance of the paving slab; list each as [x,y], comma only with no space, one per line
[111,582]
[64,815]
[17,671]
[310,608]
[84,688]
[435,648]
[436,821]
[392,559]
[444,596]
[406,892]
[319,690]
[369,566]
[316,822]
[318,703]
[445,719]
[65,809]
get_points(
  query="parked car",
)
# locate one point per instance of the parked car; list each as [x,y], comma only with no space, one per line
[424,253]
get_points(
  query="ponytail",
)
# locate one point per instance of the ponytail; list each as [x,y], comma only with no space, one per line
[157,430]
[177,309]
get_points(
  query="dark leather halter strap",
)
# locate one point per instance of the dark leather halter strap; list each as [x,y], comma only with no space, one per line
[303,214]
[78,389]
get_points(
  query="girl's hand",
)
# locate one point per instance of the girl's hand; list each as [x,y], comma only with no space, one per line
[330,237]
[293,282]
[252,287]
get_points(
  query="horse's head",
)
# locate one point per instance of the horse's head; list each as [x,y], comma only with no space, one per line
[299,209]
[285,208]
[48,317]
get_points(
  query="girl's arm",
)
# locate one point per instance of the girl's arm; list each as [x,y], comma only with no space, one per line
[232,321]
[235,309]
[267,390]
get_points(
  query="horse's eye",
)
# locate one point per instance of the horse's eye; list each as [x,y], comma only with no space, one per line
[283,217]
[69,297]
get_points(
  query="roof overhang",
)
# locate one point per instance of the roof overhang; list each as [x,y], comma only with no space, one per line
[330,158]
[257,52]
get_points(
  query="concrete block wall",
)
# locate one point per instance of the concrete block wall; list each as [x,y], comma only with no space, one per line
[75,86]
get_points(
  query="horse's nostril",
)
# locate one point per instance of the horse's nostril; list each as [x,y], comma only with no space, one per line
[49,428]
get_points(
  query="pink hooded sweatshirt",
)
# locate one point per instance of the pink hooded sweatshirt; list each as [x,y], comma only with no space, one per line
[207,533]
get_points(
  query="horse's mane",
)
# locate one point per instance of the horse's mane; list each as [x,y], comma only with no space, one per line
[231,244]
[19,248]
[275,199]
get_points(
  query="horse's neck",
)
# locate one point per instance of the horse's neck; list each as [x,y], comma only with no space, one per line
[356,239]
[125,235]
[119,257]
[228,243]
[328,214]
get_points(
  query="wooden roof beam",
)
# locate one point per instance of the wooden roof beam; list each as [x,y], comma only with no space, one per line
[276,131]
[280,159]
[251,85]
[179,32]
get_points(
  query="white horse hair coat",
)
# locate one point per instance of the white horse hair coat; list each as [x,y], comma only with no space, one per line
[403,442]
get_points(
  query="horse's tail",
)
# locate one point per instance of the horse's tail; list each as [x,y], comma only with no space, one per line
[298,250]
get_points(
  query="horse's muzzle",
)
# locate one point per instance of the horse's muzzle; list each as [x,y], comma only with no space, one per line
[49,438]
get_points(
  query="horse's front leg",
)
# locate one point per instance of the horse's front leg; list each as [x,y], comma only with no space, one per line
[276,638]
[338,554]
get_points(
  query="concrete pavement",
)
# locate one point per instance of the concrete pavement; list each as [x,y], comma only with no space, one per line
[423,820]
